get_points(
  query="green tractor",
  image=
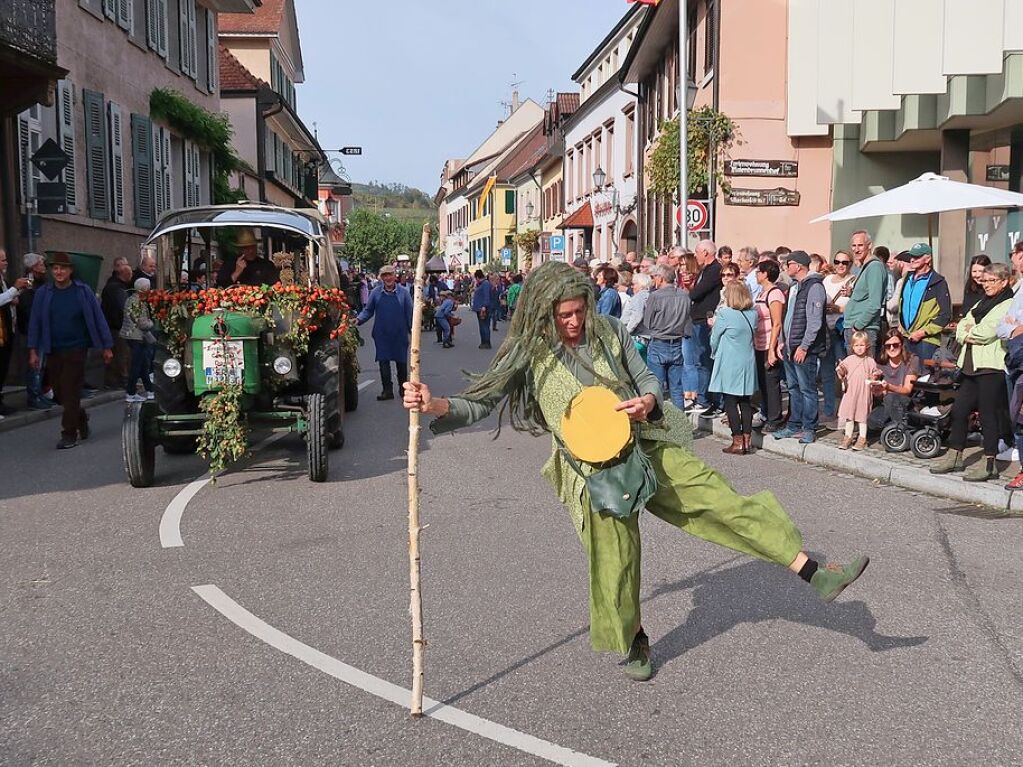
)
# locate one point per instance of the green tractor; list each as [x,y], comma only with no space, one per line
[277,354]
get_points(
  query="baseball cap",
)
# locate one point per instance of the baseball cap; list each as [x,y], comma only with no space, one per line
[800,257]
[920,249]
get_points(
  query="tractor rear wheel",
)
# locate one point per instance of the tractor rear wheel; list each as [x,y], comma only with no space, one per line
[138,447]
[316,437]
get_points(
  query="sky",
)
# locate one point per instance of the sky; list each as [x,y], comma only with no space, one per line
[415,82]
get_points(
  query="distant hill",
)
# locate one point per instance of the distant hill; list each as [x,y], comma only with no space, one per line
[397,199]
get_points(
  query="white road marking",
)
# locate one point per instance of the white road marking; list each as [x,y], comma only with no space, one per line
[400,696]
[364,384]
[170,522]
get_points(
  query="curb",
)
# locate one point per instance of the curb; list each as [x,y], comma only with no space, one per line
[27,417]
[878,469]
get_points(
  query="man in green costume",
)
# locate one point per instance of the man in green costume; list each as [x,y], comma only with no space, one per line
[558,345]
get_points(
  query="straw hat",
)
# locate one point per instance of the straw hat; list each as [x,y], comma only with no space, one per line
[246,238]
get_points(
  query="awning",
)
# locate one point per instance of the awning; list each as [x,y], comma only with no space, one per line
[579,219]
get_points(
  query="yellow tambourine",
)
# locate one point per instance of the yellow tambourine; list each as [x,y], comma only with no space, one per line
[593,431]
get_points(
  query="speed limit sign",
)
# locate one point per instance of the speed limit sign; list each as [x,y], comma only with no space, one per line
[697,215]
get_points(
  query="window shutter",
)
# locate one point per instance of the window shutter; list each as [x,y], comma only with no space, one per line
[211,51]
[23,157]
[161,27]
[189,175]
[142,170]
[110,9]
[193,43]
[66,139]
[509,201]
[168,176]
[152,26]
[196,175]
[96,156]
[124,14]
[116,133]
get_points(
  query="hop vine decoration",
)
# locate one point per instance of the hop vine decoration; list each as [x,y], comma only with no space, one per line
[308,308]
[710,134]
[224,437]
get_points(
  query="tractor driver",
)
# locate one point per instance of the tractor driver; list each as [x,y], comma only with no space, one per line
[248,268]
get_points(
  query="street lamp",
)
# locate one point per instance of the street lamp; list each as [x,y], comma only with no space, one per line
[599,177]
[530,209]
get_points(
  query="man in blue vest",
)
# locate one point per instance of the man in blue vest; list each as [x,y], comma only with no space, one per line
[806,338]
[392,306]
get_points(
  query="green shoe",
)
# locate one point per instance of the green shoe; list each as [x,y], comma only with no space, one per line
[830,580]
[981,471]
[950,462]
[638,666]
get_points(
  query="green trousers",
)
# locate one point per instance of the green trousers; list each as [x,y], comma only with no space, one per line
[692,496]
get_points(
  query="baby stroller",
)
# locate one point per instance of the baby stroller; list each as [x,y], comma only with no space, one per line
[925,421]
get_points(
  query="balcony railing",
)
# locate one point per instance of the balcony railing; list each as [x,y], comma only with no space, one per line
[30,27]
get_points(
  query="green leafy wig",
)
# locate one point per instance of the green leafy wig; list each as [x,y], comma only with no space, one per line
[533,333]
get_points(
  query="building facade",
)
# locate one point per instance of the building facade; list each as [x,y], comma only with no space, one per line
[600,141]
[126,165]
[29,73]
[473,235]
[261,56]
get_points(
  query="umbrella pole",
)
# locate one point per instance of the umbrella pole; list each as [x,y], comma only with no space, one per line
[415,591]
[930,233]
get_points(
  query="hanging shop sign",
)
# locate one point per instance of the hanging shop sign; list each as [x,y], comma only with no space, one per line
[762,168]
[603,208]
[762,198]
[998,173]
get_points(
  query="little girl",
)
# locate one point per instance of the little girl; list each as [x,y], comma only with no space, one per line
[857,373]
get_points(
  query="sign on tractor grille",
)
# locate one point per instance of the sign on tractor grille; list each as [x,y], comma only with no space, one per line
[223,362]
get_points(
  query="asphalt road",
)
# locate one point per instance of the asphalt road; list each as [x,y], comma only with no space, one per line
[109,656]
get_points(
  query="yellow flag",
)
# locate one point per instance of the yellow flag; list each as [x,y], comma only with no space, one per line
[483,196]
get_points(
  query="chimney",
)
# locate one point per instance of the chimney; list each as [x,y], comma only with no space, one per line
[515,101]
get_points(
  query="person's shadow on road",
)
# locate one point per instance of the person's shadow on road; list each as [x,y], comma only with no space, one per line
[757,591]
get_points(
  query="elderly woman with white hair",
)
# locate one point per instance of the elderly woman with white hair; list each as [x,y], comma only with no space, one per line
[136,330]
[35,273]
[632,314]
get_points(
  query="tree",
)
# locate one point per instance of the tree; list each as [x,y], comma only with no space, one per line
[710,134]
[373,239]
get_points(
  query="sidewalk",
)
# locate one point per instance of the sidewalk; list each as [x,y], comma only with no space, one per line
[900,469]
[23,417]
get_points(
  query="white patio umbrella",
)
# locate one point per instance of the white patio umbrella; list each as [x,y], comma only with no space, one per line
[927,195]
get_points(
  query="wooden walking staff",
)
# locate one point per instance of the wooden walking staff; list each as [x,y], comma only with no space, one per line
[416,600]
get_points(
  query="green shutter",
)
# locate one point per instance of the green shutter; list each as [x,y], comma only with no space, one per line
[97,161]
[509,201]
[142,169]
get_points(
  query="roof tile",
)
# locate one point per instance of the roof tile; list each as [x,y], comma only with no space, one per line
[267,19]
[233,74]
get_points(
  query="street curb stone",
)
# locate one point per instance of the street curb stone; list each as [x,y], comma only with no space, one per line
[869,467]
[26,417]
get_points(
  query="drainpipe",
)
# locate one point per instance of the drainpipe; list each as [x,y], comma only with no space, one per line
[716,103]
[275,106]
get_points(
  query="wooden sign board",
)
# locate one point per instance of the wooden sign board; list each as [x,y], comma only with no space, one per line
[762,168]
[762,198]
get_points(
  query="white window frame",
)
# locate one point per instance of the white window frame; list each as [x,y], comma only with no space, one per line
[30,138]
[156,26]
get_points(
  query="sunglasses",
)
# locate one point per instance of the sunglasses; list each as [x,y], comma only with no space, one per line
[839,262]
[895,345]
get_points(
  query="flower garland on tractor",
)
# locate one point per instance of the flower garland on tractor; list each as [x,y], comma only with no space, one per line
[310,309]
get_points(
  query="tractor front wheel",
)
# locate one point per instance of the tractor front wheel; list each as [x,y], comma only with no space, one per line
[138,447]
[316,437]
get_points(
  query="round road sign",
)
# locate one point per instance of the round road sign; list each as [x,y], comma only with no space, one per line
[697,215]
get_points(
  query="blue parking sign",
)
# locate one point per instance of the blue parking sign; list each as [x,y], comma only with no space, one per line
[557,243]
